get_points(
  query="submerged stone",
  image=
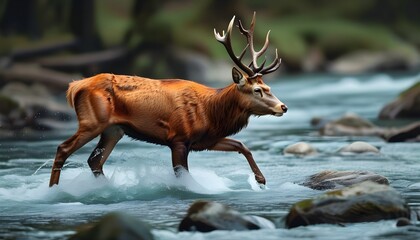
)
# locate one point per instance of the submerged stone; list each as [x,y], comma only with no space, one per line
[300,148]
[332,179]
[206,216]
[115,226]
[359,147]
[364,202]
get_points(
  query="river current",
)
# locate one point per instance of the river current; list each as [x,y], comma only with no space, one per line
[140,181]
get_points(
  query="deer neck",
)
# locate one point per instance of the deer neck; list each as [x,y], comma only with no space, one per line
[227,111]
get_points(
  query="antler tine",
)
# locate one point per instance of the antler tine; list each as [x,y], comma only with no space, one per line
[273,66]
[259,68]
[264,48]
[243,53]
[225,39]
[249,34]
[252,69]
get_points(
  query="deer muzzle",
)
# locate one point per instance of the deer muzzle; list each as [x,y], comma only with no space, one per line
[279,109]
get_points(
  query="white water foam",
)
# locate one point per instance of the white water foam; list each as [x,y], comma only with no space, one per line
[123,183]
[197,180]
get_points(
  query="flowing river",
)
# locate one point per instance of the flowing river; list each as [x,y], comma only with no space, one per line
[140,181]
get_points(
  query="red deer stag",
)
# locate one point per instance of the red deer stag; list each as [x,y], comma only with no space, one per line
[183,115]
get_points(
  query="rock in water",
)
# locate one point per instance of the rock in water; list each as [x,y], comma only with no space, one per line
[401,222]
[115,226]
[206,216]
[331,179]
[410,133]
[407,105]
[300,148]
[364,202]
[350,125]
[359,147]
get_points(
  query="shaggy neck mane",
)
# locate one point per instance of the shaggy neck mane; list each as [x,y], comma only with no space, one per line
[226,112]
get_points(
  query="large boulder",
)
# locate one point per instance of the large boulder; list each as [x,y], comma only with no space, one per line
[363,202]
[332,179]
[115,226]
[300,149]
[359,147]
[206,216]
[407,105]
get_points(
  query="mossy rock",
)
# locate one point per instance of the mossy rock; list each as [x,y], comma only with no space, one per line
[114,226]
[364,202]
[206,216]
[407,105]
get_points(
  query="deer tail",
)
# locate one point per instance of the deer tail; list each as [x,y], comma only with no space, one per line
[74,88]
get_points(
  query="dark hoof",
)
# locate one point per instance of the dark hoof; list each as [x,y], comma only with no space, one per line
[260,180]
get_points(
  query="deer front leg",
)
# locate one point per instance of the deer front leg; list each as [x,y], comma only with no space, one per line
[179,157]
[231,145]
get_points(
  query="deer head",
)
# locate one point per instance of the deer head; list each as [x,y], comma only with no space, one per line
[249,81]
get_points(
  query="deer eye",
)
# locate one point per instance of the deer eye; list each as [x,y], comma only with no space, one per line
[258,91]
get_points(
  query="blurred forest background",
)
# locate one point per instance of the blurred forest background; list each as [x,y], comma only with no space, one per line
[45,44]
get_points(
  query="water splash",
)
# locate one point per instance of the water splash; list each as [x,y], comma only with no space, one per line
[124,183]
[42,166]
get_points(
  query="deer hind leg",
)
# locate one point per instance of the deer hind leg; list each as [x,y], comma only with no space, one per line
[231,145]
[93,113]
[68,147]
[109,138]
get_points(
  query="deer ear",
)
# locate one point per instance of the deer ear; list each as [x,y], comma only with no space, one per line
[238,77]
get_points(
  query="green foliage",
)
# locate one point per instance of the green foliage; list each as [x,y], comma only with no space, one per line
[191,27]
[335,37]
[113,20]
[298,26]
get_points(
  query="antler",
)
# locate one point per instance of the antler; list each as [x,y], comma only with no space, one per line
[225,39]
[253,68]
[249,34]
